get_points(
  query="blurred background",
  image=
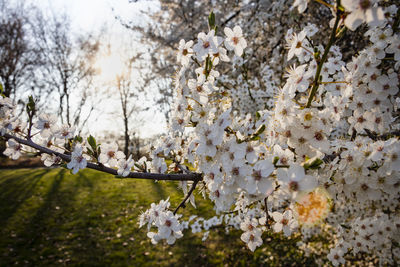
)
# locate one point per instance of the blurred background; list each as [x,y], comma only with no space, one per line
[107,67]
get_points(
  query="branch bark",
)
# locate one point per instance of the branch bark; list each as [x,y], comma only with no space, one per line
[182,204]
[324,57]
[195,177]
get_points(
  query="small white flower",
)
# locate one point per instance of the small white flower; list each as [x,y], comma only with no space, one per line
[50,160]
[294,179]
[125,166]
[297,44]
[220,55]
[13,149]
[110,154]
[46,124]
[258,181]
[185,52]
[65,132]
[235,40]
[207,44]
[78,161]
[335,256]
[284,222]
[252,238]
[300,4]
[298,80]
[362,11]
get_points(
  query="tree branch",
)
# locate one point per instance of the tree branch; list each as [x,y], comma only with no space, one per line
[182,204]
[196,177]
[324,58]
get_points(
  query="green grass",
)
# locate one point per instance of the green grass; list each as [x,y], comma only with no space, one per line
[51,217]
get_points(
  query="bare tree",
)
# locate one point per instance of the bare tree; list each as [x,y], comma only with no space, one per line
[69,69]
[129,85]
[19,55]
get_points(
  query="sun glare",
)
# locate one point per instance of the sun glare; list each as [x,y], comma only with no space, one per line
[109,66]
[312,208]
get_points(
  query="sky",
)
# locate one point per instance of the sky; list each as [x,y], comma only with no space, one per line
[93,16]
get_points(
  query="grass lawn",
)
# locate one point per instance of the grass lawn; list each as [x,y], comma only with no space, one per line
[51,217]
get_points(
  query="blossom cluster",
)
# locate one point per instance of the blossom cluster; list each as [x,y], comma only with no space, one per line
[45,131]
[167,223]
[304,160]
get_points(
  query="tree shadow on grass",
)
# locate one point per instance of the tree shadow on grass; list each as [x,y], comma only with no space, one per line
[41,240]
[15,190]
[36,228]
[159,188]
[82,180]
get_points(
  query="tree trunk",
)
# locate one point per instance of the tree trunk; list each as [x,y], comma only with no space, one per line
[126,147]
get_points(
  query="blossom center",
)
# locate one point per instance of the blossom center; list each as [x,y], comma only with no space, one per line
[364,187]
[318,136]
[294,186]
[308,116]
[287,134]
[79,159]
[365,4]
[257,175]
[251,237]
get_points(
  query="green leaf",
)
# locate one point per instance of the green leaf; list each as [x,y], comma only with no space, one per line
[211,20]
[1,88]
[78,139]
[92,142]
[313,165]
[90,152]
[64,165]
[31,105]
[260,130]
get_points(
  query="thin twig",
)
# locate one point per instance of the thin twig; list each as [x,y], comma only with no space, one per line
[324,58]
[182,204]
[324,3]
[196,177]
[396,23]
[230,18]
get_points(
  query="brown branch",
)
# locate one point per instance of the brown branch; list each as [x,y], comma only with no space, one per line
[230,18]
[196,177]
[396,23]
[332,40]
[182,204]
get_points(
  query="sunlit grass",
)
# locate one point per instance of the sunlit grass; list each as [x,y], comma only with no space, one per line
[50,217]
